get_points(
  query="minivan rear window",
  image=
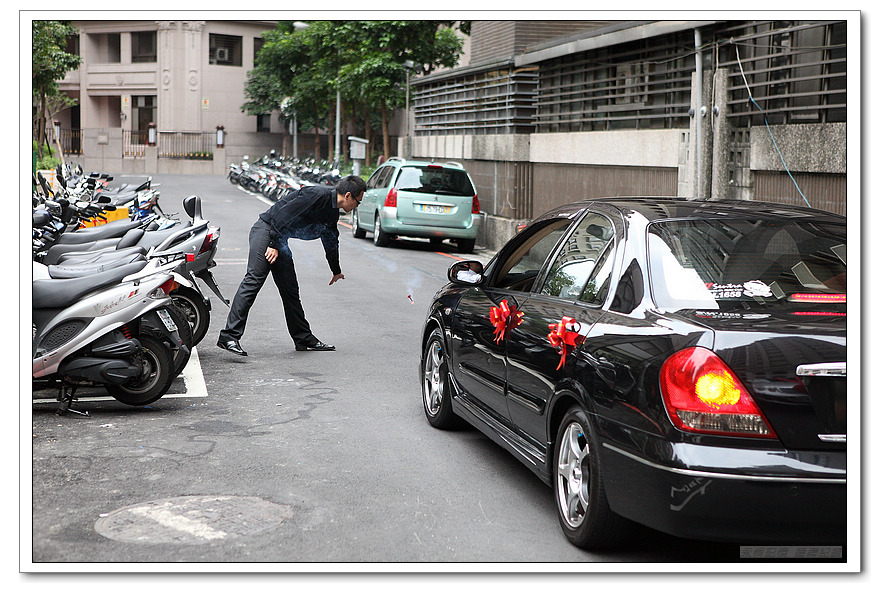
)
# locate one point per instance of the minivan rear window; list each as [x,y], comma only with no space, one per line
[434,179]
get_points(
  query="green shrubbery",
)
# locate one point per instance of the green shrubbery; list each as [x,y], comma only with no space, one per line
[49,160]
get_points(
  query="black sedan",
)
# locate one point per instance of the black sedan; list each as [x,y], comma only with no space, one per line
[673,363]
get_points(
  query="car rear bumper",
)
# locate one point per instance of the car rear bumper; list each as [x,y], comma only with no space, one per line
[736,495]
[393,226]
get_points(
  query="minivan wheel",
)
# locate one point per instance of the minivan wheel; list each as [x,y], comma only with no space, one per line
[466,245]
[356,231]
[380,237]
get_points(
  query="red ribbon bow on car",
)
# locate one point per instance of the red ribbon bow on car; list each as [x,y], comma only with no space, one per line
[504,317]
[564,337]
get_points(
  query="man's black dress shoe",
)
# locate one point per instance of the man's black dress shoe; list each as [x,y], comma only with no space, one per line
[233,346]
[319,345]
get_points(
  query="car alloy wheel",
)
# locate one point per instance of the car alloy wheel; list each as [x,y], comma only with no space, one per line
[356,231]
[435,383]
[584,514]
[380,238]
[573,475]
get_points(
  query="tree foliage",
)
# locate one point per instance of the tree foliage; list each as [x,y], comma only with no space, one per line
[50,63]
[300,69]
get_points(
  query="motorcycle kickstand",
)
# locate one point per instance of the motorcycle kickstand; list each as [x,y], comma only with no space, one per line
[65,398]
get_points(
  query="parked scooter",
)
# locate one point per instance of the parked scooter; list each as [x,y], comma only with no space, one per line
[196,240]
[112,328]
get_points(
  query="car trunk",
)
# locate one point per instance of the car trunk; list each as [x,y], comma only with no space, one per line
[433,210]
[787,363]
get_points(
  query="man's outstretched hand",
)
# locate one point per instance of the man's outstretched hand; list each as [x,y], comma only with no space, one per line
[336,277]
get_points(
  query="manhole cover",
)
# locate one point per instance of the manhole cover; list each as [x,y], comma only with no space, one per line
[192,519]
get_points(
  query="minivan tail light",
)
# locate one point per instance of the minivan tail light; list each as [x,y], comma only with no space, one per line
[475,207]
[391,199]
[703,395]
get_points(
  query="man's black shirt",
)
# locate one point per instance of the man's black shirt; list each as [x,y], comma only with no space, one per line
[308,213]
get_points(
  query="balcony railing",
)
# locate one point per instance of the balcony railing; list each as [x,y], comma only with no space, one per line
[187,145]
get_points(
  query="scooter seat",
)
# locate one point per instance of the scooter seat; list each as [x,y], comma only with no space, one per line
[59,253]
[112,229]
[56,294]
[80,270]
[90,257]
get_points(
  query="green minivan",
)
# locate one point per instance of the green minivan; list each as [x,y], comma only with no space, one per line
[410,198]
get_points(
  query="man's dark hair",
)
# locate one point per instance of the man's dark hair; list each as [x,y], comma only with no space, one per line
[353,184]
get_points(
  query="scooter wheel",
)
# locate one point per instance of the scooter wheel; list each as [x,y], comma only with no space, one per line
[181,356]
[156,365]
[196,310]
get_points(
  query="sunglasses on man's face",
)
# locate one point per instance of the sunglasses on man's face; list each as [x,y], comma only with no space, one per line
[356,201]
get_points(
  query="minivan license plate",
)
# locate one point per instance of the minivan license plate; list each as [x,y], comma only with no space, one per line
[432,209]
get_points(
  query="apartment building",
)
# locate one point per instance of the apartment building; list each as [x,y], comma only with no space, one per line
[164,96]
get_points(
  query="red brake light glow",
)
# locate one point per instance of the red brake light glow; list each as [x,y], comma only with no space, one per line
[391,199]
[703,395]
[800,297]
[475,208]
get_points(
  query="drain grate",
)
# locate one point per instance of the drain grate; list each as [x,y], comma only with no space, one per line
[192,519]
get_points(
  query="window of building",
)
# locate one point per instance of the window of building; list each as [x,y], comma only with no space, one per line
[264,122]
[224,50]
[258,45]
[143,47]
[73,44]
[107,48]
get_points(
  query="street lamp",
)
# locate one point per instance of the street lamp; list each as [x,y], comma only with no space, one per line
[408,66]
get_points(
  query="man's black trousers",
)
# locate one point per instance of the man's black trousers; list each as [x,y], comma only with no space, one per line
[258,270]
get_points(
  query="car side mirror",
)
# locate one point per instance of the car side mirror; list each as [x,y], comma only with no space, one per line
[466,272]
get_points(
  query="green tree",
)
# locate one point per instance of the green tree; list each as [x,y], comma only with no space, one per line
[50,64]
[364,60]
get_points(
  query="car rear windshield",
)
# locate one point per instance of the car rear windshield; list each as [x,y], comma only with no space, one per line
[733,264]
[434,179]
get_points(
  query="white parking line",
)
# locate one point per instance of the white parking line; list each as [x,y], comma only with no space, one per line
[261,197]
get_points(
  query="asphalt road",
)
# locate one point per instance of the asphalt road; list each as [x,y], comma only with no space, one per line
[301,459]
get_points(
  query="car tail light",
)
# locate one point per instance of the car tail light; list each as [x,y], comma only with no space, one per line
[475,207]
[702,395]
[391,199]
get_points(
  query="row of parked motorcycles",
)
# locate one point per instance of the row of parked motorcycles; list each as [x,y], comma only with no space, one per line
[273,176]
[116,303]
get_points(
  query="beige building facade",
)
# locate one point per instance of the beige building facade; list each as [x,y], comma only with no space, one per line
[164,96]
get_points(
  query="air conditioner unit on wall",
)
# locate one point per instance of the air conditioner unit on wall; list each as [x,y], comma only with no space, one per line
[221,54]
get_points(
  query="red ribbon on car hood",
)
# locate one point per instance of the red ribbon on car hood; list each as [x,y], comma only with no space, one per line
[564,337]
[504,317]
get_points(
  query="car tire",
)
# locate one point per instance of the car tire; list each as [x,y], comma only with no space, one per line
[578,487]
[466,245]
[436,390]
[380,237]
[356,231]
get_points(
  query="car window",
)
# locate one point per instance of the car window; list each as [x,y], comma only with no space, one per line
[520,264]
[374,178]
[434,179]
[577,257]
[385,179]
[596,288]
[724,264]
